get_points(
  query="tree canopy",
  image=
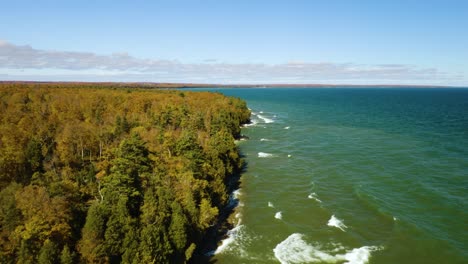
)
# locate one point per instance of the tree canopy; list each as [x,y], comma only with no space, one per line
[110,175]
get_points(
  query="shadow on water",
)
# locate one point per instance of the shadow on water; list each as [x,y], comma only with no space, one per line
[218,232]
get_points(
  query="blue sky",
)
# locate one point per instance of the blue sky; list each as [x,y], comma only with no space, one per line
[362,42]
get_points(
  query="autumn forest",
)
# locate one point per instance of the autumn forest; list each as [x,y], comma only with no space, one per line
[92,174]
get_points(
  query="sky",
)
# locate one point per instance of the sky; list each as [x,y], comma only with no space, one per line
[315,41]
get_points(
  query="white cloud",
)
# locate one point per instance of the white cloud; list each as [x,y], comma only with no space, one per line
[27,63]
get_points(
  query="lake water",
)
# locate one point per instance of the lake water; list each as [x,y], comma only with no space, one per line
[347,175]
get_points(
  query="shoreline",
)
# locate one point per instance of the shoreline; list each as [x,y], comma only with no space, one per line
[164,85]
[227,216]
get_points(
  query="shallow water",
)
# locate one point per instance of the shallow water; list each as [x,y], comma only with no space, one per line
[353,176]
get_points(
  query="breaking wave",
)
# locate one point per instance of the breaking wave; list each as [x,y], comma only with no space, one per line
[335,222]
[264,155]
[295,250]
[279,215]
[265,119]
[314,197]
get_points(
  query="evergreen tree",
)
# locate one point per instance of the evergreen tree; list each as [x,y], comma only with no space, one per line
[48,253]
[66,257]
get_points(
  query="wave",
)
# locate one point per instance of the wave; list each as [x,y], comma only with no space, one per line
[295,250]
[253,122]
[279,215]
[265,139]
[266,119]
[287,127]
[264,155]
[314,197]
[234,199]
[337,223]
[270,204]
[232,235]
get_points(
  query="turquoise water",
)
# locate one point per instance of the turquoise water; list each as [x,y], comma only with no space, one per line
[352,175]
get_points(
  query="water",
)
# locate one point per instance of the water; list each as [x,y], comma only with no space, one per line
[353,176]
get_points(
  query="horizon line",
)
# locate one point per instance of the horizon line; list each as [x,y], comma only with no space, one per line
[238,85]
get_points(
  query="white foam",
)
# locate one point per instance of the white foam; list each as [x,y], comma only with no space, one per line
[295,250]
[234,198]
[286,127]
[289,155]
[236,193]
[279,215]
[253,122]
[335,222]
[264,155]
[270,204]
[314,196]
[266,119]
[359,255]
[264,139]
[231,237]
[261,112]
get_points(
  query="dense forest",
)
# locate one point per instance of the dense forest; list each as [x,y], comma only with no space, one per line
[112,175]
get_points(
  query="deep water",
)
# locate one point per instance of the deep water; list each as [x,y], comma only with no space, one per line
[352,175]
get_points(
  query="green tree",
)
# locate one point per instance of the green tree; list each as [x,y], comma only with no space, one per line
[48,253]
[66,256]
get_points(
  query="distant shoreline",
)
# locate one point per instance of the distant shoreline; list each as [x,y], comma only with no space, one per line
[156,85]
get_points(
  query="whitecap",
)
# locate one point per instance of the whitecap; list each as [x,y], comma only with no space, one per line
[314,196]
[279,215]
[270,204]
[289,155]
[336,223]
[295,250]
[264,155]
[359,255]
[264,139]
[286,127]
[266,119]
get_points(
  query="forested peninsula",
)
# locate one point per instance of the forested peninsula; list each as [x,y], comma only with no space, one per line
[112,175]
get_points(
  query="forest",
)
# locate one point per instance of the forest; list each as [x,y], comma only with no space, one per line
[93,174]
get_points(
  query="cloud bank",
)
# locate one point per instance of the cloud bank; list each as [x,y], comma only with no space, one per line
[27,63]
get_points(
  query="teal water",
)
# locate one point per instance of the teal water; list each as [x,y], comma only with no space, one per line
[352,176]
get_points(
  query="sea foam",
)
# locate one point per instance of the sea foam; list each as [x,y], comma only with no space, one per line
[270,204]
[264,155]
[253,122]
[286,127]
[232,235]
[314,197]
[295,250]
[265,119]
[337,223]
[279,215]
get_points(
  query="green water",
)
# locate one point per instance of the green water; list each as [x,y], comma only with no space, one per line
[358,176]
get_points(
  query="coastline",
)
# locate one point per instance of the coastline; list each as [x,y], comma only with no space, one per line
[156,85]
